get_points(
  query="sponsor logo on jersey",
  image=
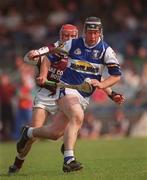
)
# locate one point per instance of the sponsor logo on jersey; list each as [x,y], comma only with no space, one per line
[84,66]
[95,54]
[55,73]
[77,51]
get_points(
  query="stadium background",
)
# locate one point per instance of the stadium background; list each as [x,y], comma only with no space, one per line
[29,24]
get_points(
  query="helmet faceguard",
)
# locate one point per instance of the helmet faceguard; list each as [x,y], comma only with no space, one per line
[93,23]
[68,29]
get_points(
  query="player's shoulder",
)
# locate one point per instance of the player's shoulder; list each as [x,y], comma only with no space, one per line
[77,41]
[72,43]
[80,39]
[105,44]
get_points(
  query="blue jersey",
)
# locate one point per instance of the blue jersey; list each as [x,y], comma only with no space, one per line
[88,62]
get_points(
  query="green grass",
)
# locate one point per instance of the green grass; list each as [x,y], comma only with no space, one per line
[119,159]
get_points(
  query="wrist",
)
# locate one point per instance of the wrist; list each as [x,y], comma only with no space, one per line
[101,85]
[113,93]
[108,91]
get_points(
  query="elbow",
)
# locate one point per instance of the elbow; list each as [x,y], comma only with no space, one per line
[118,78]
[26,58]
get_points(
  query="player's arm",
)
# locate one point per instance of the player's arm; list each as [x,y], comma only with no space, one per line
[114,71]
[115,96]
[108,82]
[34,56]
[44,68]
[54,56]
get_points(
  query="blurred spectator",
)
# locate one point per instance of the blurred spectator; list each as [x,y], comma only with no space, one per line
[91,128]
[13,20]
[37,31]
[7,92]
[120,126]
[58,15]
[24,107]
[23,68]
[143,81]
[139,128]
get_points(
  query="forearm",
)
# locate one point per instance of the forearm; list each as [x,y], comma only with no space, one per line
[45,65]
[33,56]
[107,90]
[27,59]
[116,97]
[108,82]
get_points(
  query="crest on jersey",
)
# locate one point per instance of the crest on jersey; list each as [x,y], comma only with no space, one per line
[95,54]
[77,51]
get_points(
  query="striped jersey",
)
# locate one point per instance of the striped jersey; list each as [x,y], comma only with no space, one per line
[88,62]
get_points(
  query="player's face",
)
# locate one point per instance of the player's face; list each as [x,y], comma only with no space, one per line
[92,37]
[67,35]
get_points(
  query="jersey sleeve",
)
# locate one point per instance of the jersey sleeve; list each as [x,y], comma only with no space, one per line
[32,62]
[41,51]
[111,62]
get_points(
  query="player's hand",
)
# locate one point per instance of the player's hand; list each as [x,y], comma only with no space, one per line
[96,83]
[59,51]
[117,98]
[33,55]
[40,80]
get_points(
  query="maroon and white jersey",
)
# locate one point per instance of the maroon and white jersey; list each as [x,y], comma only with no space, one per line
[55,72]
[46,96]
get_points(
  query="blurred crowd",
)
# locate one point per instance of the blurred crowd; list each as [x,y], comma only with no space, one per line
[30,24]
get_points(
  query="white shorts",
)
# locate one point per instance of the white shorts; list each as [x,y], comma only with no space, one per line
[44,100]
[84,101]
